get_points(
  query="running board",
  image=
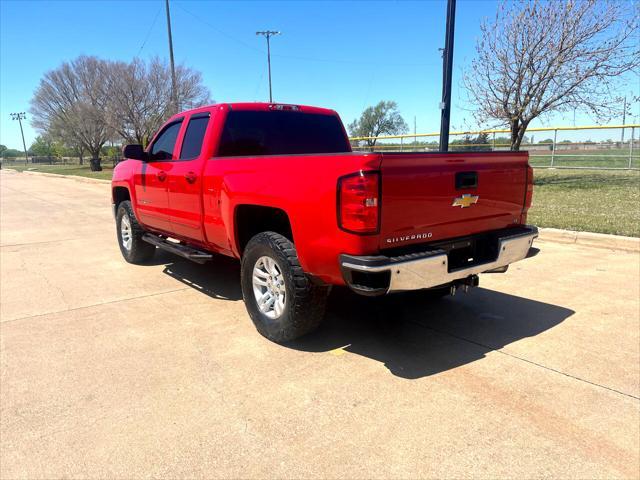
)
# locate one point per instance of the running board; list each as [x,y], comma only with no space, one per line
[190,253]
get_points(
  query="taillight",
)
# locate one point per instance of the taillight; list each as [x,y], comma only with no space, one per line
[359,202]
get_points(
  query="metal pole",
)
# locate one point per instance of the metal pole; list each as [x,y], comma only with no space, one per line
[268,34]
[174,92]
[24,145]
[494,141]
[447,65]
[21,116]
[624,119]
[633,131]
[553,149]
[269,67]
[401,143]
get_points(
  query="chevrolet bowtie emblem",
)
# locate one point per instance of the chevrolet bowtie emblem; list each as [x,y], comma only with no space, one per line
[465,200]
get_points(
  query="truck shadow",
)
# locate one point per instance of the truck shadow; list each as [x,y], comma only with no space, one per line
[220,282]
[412,334]
[415,336]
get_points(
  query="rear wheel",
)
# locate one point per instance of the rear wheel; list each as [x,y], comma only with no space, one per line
[133,248]
[281,300]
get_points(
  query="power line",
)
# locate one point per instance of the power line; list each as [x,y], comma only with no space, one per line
[299,57]
[353,62]
[221,32]
[153,24]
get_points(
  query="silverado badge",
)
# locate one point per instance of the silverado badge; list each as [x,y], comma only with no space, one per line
[465,200]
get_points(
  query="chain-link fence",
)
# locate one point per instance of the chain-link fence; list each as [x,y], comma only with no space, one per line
[107,161]
[593,147]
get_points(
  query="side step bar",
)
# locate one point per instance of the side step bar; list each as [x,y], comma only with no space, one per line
[190,253]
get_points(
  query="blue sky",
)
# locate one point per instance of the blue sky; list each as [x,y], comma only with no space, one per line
[342,55]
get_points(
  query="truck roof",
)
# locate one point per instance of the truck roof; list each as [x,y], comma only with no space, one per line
[260,106]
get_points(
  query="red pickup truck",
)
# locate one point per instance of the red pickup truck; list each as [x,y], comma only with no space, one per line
[278,187]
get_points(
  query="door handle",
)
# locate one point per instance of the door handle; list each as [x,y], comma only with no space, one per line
[161,176]
[191,177]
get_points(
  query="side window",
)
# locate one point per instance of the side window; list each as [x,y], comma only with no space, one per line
[162,148]
[192,143]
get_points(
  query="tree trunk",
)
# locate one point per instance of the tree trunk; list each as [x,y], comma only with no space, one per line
[515,130]
[518,129]
[95,162]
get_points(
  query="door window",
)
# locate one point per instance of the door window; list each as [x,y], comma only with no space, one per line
[162,148]
[192,143]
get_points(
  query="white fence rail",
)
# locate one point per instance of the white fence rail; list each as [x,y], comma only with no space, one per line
[590,147]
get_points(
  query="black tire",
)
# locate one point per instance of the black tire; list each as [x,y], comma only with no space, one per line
[139,251]
[304,303]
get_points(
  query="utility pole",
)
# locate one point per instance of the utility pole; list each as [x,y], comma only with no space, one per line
[447,68]
[174,92]
[268,34]
[624,119]
[21,116]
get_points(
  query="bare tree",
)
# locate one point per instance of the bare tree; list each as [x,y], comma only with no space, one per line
[140,96]
[381,119]
[72,99]
[538,57]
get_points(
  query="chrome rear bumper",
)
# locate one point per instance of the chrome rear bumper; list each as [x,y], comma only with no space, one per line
[378,275]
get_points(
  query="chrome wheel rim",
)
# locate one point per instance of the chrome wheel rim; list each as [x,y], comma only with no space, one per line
[269,288]
[125,232]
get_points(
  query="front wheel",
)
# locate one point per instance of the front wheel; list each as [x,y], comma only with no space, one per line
[133,248]
[281,300]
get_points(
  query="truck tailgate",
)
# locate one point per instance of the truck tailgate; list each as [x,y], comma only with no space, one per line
[430,196]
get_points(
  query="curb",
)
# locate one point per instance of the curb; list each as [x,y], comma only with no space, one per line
[77,178]
[600,240]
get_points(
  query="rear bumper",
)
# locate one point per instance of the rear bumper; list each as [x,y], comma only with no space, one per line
[378,275]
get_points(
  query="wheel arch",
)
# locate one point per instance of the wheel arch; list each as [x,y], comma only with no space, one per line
[249,220]
[120,194]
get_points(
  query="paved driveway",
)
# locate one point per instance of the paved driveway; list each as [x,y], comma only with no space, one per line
[114,370]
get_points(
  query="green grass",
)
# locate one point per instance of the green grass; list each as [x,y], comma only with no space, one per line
[77,170]
[614,158]
[587,200]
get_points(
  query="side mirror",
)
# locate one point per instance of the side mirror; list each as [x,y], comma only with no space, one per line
[134,152]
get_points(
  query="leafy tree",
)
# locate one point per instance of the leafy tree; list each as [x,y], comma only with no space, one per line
[12,153]
[381,119]
[501,141]
[3,148]
[70,102]
[468,143]
[87,102]
[538,57]
[46,146]
[140,96]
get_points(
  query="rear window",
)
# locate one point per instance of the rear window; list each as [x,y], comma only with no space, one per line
[281,133]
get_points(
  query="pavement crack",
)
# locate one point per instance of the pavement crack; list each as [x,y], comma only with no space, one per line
[108,302]
[522,359]
[26,244]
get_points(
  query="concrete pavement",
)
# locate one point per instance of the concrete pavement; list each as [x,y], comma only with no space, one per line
[114,370]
